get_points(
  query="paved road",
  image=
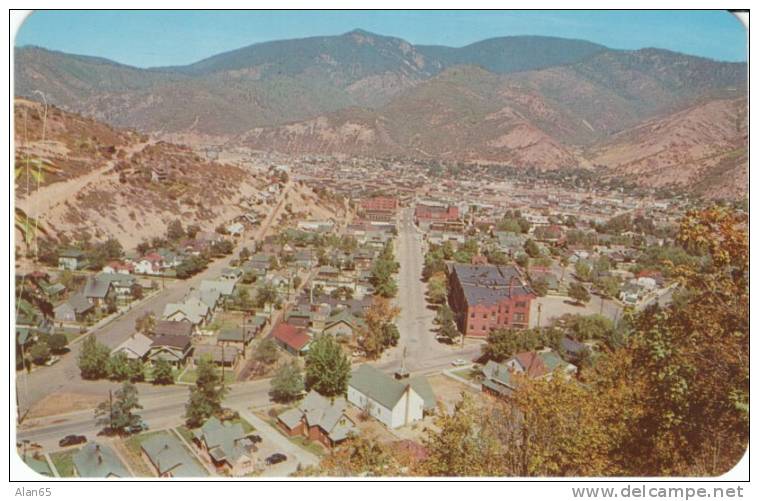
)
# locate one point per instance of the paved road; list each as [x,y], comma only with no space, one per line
[64,376]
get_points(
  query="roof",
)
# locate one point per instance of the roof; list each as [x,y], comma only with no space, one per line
[235,334]
[421,385]
[192,308]
[531,363]
[494,371]
[226,441]
[168,454]
[172,341]
[71,253]
[138,345]
[96,287]
[79,303]
[329,415]
[171,328]
[96,460]
[292,336]
[377,385]
[225,287]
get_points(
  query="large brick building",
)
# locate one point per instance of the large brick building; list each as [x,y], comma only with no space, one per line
[379,208]
[486,297]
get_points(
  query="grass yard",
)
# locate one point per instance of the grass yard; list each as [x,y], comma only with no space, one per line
[133,453]
[468,373]
[190,375]
[64,462]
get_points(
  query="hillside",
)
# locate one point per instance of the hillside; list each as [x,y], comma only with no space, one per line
[131,192]
[703,147]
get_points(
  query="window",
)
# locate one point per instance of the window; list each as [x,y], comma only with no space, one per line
[520,304]
[518,317]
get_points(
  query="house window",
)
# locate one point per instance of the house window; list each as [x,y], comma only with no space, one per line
[518,317]
[521,304]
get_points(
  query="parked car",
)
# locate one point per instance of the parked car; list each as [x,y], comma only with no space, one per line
[256,439]
[69,440]
[138,427]
[458,362]
[276,458]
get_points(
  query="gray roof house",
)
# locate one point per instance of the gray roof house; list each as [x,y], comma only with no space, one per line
[319,418]
[227,445]
[170,458]
[136,347]
[96,460]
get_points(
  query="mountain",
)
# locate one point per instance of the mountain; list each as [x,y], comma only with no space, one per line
[525,101]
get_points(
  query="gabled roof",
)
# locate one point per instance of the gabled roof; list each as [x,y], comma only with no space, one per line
[79,303]
[96,460]
[377,385]
[225,441]
[292,336]
[317,410]
[421,385]
[138,345]
[171,328]
[180,342]
[225,287]
[96,287]
[168,454]
[192,308]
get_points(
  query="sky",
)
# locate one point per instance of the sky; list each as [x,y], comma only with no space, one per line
[164,38]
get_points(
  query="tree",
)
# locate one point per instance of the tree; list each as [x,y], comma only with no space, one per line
[175,231]
[342,293]
[375,337]
[287,384]
[206,395]
[297,282]
[266,352]
[58,343]
[437,288]
[359,456]
[118,367]
[587,327]
[117,414]
[579,293]
[163,373]
[522,260]
[531,248]
[40,352]
[540,286]
[136,370]
[583,271]
[503,344]
[446,321]
[93,359]
[327,367]
[145,323]
[193,230]
[266,295]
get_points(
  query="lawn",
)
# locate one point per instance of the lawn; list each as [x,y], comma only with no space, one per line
[468,373]
[64,462]
[134,453]
[191,375]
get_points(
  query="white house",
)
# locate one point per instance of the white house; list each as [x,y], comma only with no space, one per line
[393,403]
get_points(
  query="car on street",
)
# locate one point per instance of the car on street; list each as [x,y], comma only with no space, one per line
[276,458]
[458,362]
[70,440]
[138,427]
[256,439]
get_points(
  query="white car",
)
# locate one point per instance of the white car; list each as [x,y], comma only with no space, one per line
[458,362]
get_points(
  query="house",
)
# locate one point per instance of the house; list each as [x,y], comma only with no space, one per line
[209,297]
[71,259]
[305,259]
[318,418]
[173,349]
[149,264]
[343,324]
[171,328]
[136,347]
[99,292]
[239,337]
[226,445]
[497,379]
[96,460]
[225,287]
[231,274]
[235,229]
[293,339]
[487,297]
[226,356]
[169,458]
[392,402]
[539,364]
[118,267]
[123,284]
[192,310]
[74,310]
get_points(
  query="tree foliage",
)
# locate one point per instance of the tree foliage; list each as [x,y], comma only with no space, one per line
[93,359]
[327,367]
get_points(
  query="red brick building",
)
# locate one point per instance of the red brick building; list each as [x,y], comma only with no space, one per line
[432,213]
[380,208]
[319,419]
[486,297]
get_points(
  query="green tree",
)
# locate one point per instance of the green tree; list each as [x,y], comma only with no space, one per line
[266,295]
[118,367]
[118,414]
[287,384]
[40,352]
[58,343]
[163,373]
[93,359]
[583,271]
[446,321]
[531,248]
[579,293]
[206,395]
[437,288]
[175,231]
[266,352]
[540,286]
[145,323]
[327,367]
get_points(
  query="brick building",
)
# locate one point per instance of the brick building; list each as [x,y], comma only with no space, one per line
[486,297]
[379,208]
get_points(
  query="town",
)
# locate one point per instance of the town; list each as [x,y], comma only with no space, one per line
[290,336]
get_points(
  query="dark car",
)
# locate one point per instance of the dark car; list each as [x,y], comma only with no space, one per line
[256,439]
[276,458]
[72,440]
[137,427]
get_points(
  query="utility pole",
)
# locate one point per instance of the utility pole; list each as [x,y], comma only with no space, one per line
[540,310]
[110,407]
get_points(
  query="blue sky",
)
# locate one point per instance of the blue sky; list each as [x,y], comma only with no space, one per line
[158,38]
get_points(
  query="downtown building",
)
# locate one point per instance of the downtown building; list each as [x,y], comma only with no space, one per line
[486,297]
